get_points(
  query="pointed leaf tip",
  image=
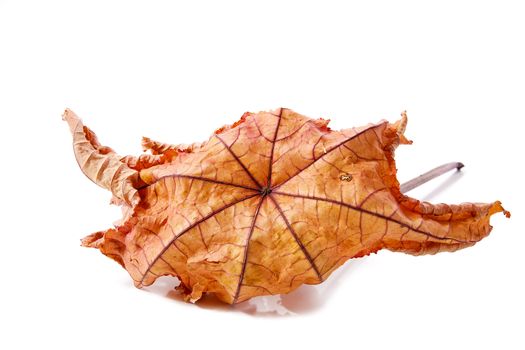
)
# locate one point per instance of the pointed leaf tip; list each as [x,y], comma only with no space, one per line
[498,208]
[100,163]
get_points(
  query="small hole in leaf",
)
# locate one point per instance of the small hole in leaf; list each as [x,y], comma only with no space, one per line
[345,177]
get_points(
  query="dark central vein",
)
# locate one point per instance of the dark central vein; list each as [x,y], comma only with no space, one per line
[247,246]
[301,245]
[239,161]
[269,184]
[328,152]
[205,179]
[371,213]
[177,236]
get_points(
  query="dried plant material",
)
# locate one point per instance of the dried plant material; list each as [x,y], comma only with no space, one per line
[265,205]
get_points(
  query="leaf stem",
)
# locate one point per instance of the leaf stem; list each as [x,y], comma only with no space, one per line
[429,175]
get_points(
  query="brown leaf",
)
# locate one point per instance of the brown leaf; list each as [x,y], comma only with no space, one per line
[266,204]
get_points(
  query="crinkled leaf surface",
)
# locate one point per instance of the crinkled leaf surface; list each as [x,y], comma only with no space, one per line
[265,205]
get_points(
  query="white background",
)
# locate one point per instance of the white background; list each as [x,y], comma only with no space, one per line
[176,71]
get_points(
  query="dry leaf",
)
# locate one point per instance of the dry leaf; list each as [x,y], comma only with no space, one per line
[266,204]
